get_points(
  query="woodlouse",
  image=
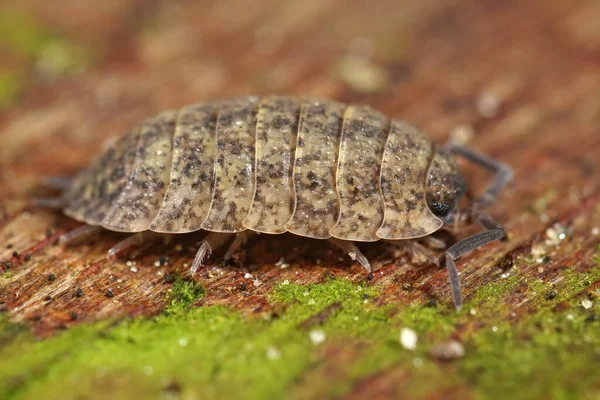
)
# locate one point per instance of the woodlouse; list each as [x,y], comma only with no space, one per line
[319,169]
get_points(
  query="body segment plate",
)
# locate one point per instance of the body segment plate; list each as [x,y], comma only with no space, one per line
[144,190]
[187,200]
[275,145]
[234,166]
[357,178]
[406,160]
[316,207]
[96,189]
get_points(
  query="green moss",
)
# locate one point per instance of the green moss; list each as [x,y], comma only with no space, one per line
[491,294]
[213,352]
[208,350]
[52,54]
[551,356]
[11,85]
[183,294]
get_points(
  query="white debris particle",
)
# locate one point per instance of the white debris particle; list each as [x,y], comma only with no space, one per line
[133,269]
[570,316]
[148,370]
[356,318]
[352,255]
[317,336]
[285,282]
[159,273]
[273,353]
[282,264]
[247,276]
[555,234]
[157,263]
[158,152]
[540,270]
[587,303]
[311,302]
[596,231]
[538,251]
[488,105]
[257,283]
[495,328]
[408,338]
[447,351]
[129,263]
[182,342]
[119,280]
[306,293]
[462,134]
[472,311]
[505,275]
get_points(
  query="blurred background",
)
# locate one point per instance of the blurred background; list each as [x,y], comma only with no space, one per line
[81,72]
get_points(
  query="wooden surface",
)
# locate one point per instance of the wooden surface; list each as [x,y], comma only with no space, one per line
[518,80]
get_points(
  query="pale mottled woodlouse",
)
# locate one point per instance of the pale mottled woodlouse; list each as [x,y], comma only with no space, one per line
[314,168]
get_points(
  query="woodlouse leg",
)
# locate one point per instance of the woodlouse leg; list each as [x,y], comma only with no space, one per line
[55,203]
[211,242]
[433,242]
[78,235]
[352,251]
[415,248]
[133,240]
[240,239]
[504,173]
[56,182]
[493,232]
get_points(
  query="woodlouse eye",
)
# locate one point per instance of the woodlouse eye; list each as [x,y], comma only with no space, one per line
[439,209]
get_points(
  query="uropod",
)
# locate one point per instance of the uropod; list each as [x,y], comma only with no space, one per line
[314,168]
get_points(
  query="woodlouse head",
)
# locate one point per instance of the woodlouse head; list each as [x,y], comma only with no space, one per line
[445,187]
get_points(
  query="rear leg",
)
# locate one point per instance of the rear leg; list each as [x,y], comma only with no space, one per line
[79,235]
[134,240]
[53,203]
[353,252]
[61,184]
[56,182]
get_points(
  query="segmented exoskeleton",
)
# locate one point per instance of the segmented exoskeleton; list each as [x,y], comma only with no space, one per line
[318,169]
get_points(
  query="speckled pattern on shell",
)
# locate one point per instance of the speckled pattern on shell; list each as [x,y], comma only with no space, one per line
[94,192]
[234,166]
[313,168]
[404,168]
[275,145]
[142,196]
[316,207]
[357,178]
[188,196]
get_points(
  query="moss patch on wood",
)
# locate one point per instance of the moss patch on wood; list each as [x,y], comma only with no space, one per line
[213,352]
